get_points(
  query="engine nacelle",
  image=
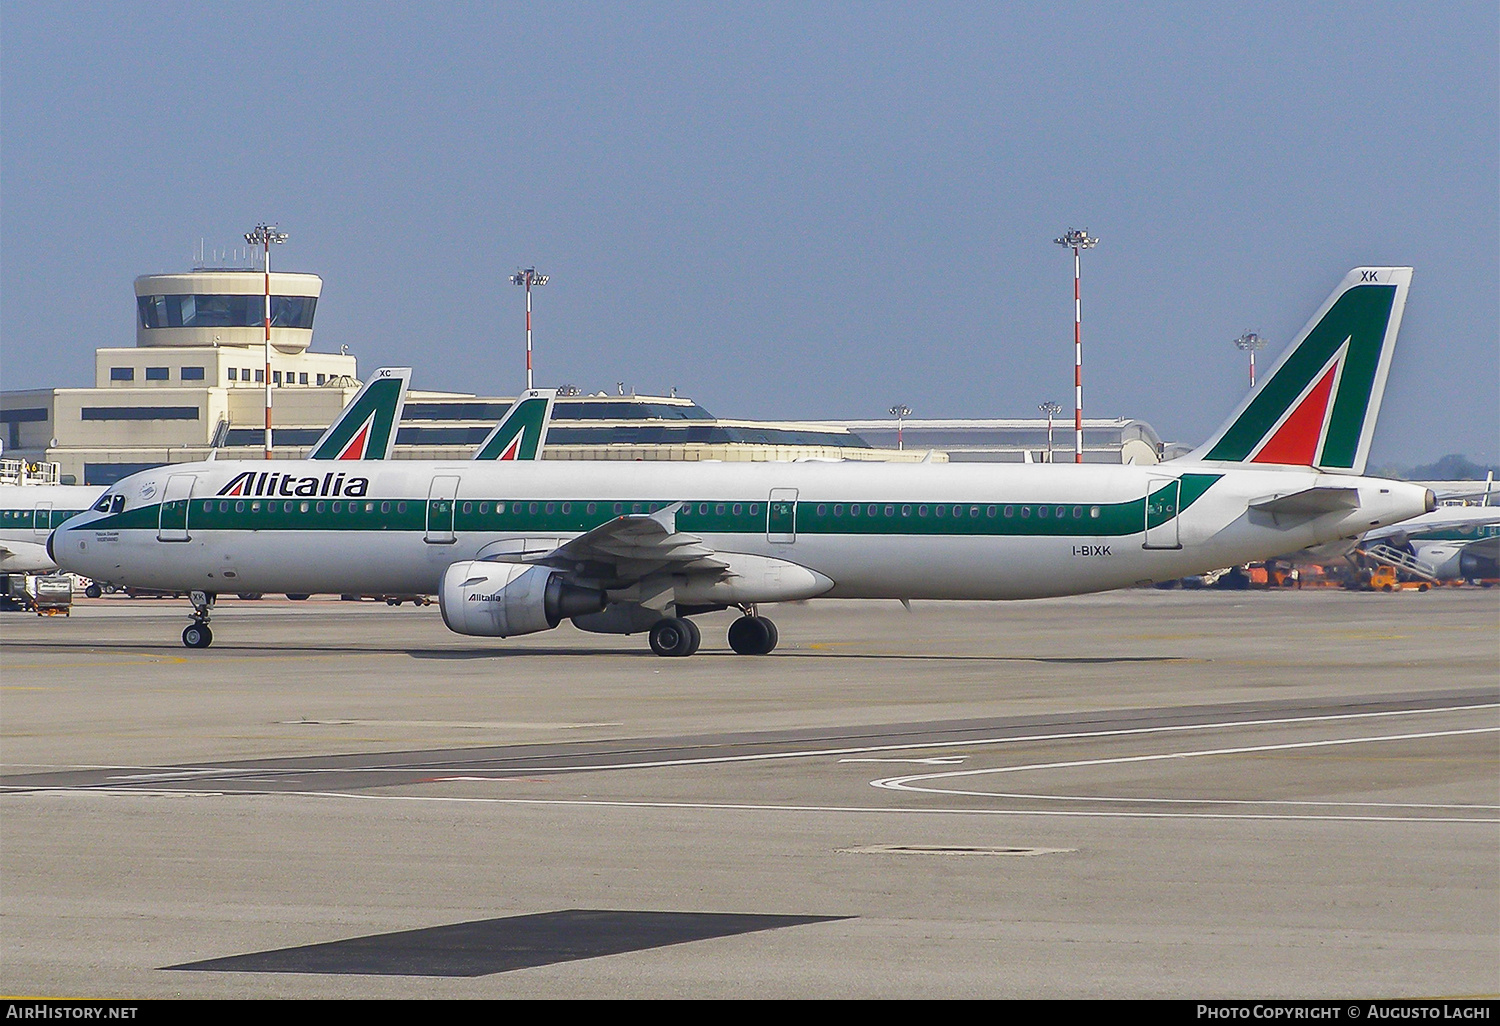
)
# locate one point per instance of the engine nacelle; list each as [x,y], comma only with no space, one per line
[501,600]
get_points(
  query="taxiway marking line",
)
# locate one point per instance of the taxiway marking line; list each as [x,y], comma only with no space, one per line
[904,783]
[752,807]
[165,774]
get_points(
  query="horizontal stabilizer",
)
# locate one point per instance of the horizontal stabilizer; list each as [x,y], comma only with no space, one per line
[1310,502]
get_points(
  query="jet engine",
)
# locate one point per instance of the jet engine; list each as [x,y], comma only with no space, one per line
[501,600]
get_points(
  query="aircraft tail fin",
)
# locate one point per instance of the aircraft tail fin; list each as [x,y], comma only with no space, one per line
[1317,406]
[366,430]
[523,431]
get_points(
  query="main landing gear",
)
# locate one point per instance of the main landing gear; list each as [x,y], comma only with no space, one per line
[675,636]
[753,635]
[197,634]
[679,636]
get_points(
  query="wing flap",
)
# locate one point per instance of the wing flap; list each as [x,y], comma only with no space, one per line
[627,549]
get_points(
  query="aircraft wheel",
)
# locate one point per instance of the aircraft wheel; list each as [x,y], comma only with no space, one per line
[197,635]
[753,635]
[674,636]
[93,591]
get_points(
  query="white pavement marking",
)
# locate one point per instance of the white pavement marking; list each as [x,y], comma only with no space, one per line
[909,783]
[866,749]
[936,760]
[752,807]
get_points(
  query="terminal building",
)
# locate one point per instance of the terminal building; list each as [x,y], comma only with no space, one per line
[194,383]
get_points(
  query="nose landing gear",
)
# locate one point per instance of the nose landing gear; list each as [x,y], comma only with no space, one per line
[197,634]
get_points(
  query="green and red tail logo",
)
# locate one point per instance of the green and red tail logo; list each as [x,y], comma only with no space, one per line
[523,432]
[1317,407]
[366,430]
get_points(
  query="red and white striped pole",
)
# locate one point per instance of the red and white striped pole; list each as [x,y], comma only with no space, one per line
[264,235]
[1078,240]
[528,278]
[1250,342]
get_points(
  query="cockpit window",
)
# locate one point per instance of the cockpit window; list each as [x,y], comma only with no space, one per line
[102,506]
[117,503]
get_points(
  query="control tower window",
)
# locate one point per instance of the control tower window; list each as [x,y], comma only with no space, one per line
[122,374]
[156,373]
[225,311]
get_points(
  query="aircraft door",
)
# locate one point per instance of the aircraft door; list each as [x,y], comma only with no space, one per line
[441,504]
[41,519]
[173,523]
[1162,494]
[781,516]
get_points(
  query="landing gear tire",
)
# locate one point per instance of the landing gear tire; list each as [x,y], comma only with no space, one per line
[93,591]
[753,635]
[197,635]
[675,636]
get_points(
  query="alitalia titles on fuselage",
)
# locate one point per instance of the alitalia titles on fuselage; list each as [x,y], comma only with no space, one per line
[264,483]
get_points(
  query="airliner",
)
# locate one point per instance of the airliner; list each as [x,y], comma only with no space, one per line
[626,548]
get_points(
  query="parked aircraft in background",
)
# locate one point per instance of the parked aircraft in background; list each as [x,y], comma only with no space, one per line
[366,429]
[28,513]
[626,548]
[1452,543]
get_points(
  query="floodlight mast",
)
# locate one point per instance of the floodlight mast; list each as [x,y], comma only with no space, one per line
[528,278]
[1051,409]
[264,235]
[900,411]
[1249,342]
[1077,239]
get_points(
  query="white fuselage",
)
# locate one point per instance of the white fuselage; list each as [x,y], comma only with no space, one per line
[940,531]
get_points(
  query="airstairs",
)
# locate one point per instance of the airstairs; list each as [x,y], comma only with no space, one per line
[1402,561]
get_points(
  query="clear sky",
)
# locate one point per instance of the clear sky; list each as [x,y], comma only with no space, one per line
[801,210]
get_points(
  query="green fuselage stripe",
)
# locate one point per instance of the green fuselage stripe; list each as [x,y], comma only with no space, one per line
[23,519]
[747,516]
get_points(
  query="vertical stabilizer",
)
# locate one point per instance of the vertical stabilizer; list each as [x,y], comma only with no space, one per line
[1317,406]
[523,432]
[366,430]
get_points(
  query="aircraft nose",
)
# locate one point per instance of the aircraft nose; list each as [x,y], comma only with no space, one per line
[50,554]
[1431,501]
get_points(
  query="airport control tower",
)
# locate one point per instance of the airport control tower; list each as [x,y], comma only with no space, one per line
[197,369]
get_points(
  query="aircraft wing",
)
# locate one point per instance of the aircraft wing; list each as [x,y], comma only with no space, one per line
[632,547]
